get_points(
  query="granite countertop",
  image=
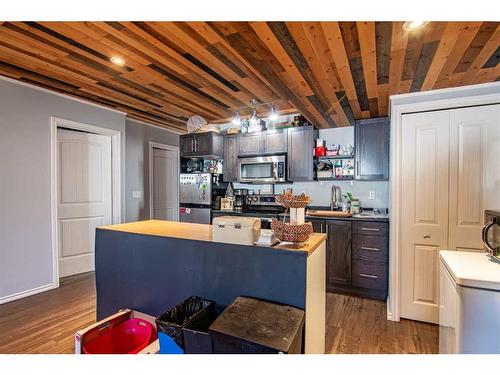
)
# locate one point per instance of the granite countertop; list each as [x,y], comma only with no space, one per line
[365,216]
[201,232]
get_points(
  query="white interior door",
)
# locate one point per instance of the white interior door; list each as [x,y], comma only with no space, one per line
[474,173]
[84,197]
[424,216]
[165,184]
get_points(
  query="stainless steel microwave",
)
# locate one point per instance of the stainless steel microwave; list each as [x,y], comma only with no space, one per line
[262,169]
[491,233]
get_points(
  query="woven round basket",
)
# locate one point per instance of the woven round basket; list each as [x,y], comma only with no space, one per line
[290,232]
[293,201]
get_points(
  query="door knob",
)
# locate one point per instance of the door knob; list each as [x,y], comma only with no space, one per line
[427,235]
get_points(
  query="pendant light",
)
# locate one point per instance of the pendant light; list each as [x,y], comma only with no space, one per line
[274,116]
[254,120]
[236,120]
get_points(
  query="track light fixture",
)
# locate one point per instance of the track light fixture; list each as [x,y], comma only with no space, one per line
[254,120]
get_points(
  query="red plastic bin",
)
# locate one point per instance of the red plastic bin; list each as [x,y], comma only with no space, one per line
[128,337]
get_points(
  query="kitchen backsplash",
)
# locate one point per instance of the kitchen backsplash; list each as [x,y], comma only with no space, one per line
[320,190]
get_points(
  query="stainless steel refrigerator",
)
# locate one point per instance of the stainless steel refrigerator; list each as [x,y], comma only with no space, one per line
[195,198]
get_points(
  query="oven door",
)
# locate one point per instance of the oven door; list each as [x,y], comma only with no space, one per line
[263,169]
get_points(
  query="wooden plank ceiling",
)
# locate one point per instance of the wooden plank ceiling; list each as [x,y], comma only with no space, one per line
[332,72]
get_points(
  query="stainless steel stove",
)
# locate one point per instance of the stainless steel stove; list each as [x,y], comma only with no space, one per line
[262,206]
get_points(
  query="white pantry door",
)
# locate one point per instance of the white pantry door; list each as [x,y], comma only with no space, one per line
[165,185]
[84,197]
[474,173]
[424,219]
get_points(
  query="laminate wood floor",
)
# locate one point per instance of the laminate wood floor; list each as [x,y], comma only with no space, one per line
[46,323]
[360,325]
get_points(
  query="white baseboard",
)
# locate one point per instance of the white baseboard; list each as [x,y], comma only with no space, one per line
[27,293]
[390,317]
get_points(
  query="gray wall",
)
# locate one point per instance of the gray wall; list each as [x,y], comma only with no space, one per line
[320,190]
[137,165]
[25,235]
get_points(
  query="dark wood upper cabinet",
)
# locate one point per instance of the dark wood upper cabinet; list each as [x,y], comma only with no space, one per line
[275,142]
[338,252]
[263,143]
[371,141]
[230,165]
[204,143]
[208,144]
[250,144]
[300,146]
[187,145]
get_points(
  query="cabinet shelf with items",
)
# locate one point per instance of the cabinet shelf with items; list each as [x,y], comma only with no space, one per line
[339,167]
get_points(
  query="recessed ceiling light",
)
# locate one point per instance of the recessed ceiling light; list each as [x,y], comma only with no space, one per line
[117,61]
[414,25]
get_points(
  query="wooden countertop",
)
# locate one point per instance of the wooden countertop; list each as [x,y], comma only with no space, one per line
[201,232]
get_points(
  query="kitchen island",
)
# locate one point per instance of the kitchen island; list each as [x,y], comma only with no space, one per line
[150,266]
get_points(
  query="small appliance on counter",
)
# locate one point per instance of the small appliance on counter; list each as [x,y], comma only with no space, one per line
[236,229]
[240,199]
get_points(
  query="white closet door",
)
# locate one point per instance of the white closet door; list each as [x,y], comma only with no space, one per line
[474,173]
[84,197]
[424,211]
[165,185]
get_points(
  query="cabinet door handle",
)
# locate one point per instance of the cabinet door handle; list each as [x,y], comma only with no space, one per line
[372,229]
[368,276]
[370,248]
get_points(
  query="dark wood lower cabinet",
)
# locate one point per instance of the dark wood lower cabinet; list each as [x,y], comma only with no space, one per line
[357,263]
[338,255]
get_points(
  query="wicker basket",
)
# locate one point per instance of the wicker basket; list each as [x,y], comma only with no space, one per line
[291,233]
[293,201]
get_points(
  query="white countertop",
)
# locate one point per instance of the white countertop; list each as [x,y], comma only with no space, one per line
[472,269]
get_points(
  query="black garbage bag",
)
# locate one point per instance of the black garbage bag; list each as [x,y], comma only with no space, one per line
[186,312]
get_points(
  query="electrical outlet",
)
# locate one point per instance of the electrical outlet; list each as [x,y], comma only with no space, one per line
[371,194]
[136,194]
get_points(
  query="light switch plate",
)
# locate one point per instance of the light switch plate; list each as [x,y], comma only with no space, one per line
[371,194]
[136,194]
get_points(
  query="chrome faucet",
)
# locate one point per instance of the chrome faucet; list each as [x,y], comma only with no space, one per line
[335,198]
